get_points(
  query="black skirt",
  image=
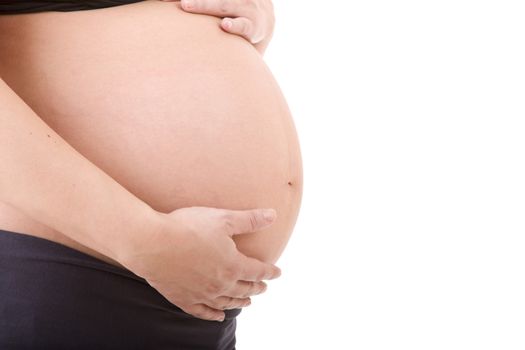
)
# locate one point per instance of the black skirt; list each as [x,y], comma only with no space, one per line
[56,297]
[9,7]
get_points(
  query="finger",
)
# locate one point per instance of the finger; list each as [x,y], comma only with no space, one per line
[218,8]
[245,289]
[228,303]
[256,270]
[252,220]
[241,26]
[204,312]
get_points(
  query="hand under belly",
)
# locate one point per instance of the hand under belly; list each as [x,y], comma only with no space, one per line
[177,111]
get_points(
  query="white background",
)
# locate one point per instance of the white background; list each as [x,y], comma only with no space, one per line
[411,117]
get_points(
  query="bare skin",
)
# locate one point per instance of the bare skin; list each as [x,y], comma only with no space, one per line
[167,112]
[253,20]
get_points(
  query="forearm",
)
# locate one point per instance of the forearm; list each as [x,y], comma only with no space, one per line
[47,179]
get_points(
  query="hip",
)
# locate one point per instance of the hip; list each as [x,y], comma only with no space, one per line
[55,297]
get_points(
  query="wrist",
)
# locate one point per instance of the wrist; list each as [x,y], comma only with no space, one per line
[147,225]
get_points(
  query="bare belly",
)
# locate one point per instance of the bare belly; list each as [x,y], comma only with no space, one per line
[177,111]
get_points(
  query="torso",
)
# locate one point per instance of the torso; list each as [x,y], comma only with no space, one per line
[177,111]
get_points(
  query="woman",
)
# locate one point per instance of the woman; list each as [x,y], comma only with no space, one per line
[136,141]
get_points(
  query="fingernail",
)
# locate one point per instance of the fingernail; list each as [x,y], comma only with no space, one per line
[227,24]
[220,319]
[269,214]
[187,4]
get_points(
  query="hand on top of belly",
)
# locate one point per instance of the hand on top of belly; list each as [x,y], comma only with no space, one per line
[192,260]
[254,20]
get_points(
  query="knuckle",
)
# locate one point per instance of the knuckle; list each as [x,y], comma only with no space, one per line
[227,219]
[252,290]
[228,225]
[225,215]
[260,275]
[230,304]
[231,273]
[216,304]
[246,30]
[262,288]
[253,217]
[213,288]
[246,293]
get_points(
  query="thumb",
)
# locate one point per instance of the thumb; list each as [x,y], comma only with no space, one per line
[241,26]
[252,220]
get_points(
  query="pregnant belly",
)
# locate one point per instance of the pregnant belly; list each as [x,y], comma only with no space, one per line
[177,111]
